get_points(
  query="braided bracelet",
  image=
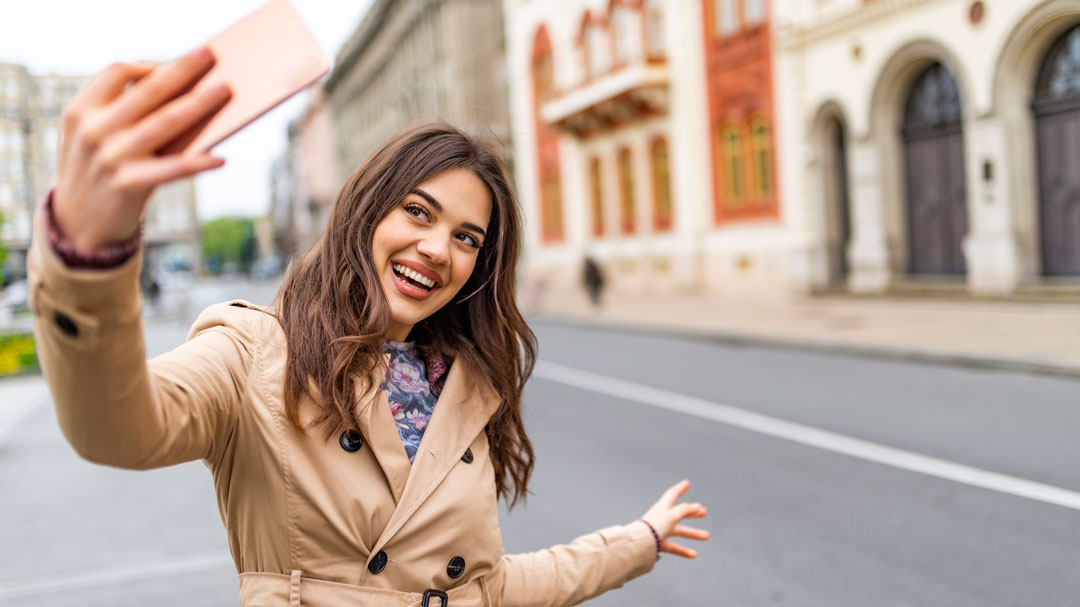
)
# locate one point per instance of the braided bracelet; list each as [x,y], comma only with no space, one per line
[656,536]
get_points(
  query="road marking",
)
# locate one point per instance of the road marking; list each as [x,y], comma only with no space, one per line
[117,575]
[807,435]
[20,396]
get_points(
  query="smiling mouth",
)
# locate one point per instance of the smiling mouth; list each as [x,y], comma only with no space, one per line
[413,278]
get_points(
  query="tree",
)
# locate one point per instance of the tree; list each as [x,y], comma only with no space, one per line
[228,241]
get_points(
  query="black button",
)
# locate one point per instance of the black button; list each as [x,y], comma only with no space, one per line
[456,567]
[378,563]
[66,325]
[351,440]
[468,457]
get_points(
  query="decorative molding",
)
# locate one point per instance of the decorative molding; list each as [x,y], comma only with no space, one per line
[792,38]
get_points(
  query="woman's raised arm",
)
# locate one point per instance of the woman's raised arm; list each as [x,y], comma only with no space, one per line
[112,406]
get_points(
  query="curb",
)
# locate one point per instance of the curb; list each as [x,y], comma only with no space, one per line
[824,346]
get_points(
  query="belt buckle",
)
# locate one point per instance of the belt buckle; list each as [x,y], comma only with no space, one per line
[431,593]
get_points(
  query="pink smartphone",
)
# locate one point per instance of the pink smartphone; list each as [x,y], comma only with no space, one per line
[266,57]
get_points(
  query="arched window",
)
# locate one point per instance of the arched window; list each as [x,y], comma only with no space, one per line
[654,28]
[1060,73]
[661,179]
[597,55]
[596,190]
[726,17]
[547,142]
[622,31]
[626,191]
[753,12]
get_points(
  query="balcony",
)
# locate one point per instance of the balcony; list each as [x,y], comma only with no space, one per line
[627,94]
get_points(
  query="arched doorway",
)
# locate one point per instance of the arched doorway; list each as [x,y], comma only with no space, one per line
[1057,118]
[837,200]
[933,141]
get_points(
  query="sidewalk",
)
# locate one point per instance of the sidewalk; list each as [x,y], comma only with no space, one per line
[1039,337]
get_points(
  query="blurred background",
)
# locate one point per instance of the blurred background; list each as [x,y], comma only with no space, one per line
[836,243]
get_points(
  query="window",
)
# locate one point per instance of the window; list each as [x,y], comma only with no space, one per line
[654,27]
[732,170]
[726,17]
[661,174]
[753,11]
[622,26]
[551,207]
[595,42]
[596,188]
[543,68]
[626,191]
[762,159]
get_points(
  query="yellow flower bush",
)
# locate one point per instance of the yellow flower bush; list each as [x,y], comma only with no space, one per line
[17,353]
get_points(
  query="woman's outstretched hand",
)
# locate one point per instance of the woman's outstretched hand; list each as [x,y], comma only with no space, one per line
[665,516]
[107,167]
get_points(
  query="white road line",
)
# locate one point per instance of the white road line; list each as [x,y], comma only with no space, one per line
[117,575]
[807,435]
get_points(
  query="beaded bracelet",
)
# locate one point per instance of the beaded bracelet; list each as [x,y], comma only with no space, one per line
[656,536]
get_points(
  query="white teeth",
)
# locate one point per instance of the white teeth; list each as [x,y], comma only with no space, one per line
[418,277]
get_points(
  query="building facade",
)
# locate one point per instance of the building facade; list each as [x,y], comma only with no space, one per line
[932,141]
[416,60]
[757,148]
[30,114]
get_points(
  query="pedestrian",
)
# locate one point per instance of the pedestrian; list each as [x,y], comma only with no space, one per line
[361,429]
[593,277]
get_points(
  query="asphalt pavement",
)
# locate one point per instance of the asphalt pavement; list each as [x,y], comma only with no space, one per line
[831,480]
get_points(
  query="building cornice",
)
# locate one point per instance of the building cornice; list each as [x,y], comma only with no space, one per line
[795,38]
[356,44]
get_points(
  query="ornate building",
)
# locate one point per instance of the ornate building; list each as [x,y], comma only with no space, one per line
[749,147]
[932,142]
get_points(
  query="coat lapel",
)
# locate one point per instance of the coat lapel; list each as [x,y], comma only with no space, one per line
[461,412]
[380,432]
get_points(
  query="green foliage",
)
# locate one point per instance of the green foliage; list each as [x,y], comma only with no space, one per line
[228,242]
[17,353]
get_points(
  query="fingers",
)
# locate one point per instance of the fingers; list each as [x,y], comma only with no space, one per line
[673,494]
[677,550]
[175,118]
[694,510]
[145,174]
[158,88]
[691,533]
[107,85]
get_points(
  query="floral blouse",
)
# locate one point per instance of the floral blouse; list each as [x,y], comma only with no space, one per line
[412,387]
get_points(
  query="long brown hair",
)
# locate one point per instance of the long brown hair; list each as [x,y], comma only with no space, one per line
[334,312]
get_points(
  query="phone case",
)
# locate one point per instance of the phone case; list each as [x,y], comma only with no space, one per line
[266,57]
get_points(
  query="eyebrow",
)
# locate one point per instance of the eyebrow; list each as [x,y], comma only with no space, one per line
[438,207]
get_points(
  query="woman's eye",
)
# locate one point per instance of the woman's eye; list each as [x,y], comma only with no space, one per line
[417,211]
[470,240]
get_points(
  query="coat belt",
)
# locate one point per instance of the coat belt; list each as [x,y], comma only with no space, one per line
[279,590]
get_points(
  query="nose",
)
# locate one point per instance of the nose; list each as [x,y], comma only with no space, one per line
[436,247]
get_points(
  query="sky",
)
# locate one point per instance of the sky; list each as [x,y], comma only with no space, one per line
[82,37]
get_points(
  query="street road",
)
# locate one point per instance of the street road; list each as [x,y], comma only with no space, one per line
[831,481]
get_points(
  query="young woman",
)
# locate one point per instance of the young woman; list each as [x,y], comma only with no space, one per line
[361,430]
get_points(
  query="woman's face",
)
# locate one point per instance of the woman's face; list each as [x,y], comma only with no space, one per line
[426,248]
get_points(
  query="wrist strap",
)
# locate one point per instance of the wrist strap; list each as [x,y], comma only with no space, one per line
[656,536]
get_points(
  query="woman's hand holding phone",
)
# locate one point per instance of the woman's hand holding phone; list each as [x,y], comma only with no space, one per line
[112,129]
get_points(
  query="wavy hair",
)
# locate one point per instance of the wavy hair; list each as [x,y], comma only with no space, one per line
[334,312]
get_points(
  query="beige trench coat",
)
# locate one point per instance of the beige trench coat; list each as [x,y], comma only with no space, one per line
[308,521]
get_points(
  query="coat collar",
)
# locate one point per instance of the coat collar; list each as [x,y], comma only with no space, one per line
[463,408]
